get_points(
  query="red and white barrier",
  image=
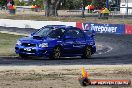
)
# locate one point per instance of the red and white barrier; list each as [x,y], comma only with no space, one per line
[128,29]
[32,23]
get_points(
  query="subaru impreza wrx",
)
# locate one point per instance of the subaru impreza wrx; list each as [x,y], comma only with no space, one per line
[57,41]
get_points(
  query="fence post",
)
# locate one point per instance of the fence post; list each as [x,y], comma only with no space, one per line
[83,9]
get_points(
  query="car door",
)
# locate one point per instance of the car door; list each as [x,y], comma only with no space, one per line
[75,42]
[69,41]
[80,41]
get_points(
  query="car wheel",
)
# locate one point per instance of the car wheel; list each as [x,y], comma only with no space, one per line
[23,56]
[87,52]
[56,53]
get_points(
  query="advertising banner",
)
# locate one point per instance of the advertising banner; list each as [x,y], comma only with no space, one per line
[103,28]
[128,29]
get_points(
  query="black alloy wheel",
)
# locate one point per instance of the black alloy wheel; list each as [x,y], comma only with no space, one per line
[56,54]
[87,52]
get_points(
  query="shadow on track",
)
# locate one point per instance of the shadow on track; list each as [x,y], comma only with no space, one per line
[108,60]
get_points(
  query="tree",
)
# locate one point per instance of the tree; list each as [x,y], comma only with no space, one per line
[20,3]
[51,7]
[3,2]
[99,3]
[38,3]
[12,2]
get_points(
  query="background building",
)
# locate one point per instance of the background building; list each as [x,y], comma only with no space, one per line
[126,7]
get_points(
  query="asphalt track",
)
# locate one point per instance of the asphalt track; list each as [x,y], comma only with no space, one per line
[117,51]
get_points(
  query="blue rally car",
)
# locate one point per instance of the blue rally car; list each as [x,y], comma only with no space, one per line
[57,41]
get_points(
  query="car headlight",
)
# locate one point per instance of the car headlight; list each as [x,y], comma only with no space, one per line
[18,43]
[43,45]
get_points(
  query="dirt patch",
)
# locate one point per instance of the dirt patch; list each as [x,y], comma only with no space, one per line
[47,77]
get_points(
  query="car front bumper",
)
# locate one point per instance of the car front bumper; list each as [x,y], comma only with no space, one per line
[33,51]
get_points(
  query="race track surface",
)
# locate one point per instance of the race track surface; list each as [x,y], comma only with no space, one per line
[118,52]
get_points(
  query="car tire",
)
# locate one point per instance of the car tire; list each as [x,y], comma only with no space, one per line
[23,56]
[87,52]
[56,54]
[84,82]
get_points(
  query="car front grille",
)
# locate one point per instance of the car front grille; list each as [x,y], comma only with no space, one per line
[28,45]
[32,51]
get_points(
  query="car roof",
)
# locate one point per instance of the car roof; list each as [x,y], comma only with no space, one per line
[63,26]
[55,26]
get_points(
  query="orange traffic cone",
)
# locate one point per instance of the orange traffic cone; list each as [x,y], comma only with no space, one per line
[84,73]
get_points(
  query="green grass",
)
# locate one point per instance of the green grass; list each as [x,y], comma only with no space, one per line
[7,44]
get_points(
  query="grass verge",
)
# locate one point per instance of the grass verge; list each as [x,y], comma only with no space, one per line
[7,44]
[66,19]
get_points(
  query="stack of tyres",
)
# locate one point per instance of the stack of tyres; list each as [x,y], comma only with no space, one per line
[103,15]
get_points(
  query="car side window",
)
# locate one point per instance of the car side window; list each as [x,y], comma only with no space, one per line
[79,34]
[71,33]
[75,34]
[56,33]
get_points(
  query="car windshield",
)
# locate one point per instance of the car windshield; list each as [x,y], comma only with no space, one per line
[50,32]
[43,31]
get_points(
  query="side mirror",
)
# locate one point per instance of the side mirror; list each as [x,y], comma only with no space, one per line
[32,34]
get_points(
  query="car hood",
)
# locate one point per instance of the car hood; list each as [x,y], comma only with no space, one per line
[36,39]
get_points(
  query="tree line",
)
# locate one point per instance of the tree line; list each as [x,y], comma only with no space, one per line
[62,4]
[51,6]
